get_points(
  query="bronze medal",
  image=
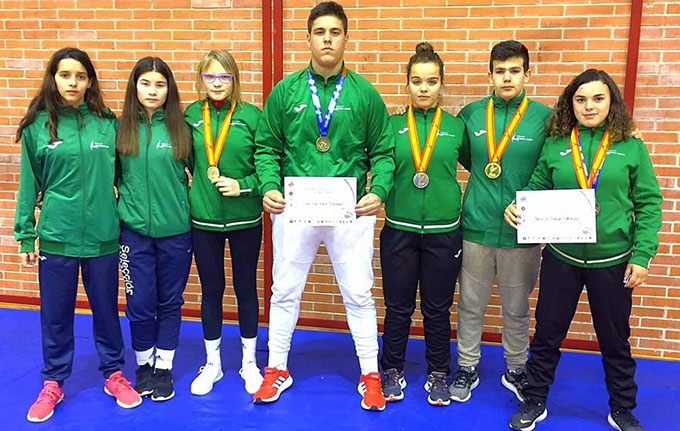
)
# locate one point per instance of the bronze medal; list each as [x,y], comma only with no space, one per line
[493,170]
[421,180]
[323,144]
[213,173]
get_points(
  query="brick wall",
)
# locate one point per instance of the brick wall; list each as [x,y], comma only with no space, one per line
[564,37]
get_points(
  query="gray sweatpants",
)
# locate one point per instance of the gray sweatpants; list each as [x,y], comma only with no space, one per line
[517,269]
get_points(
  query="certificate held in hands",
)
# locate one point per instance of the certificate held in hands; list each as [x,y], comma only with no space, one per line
[320,201]
[557,216]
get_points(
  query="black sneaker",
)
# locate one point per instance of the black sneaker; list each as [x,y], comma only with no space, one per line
[163,389]
[528,414]
[466,379]
[623,420]
[393,383]
[438,389]
[144,380]
[515,381]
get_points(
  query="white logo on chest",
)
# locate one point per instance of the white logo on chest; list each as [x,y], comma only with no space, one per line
[96,145]
[53,145]
[160,145]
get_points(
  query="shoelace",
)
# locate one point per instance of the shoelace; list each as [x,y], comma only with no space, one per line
[49,394]
[463,378]
[119,383]
[627,417]
[391,377]
[164,376]
[270,376]
[520,378]
[438,383]
[372,383]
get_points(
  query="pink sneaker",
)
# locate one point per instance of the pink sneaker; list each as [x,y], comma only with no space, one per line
[43,409]
[118,387]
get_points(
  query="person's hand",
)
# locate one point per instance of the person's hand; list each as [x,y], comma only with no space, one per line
[369,205]
[29,259]
[227,186]
[512,215]
[273,202]
[39,200]
[635,275]
[400,110]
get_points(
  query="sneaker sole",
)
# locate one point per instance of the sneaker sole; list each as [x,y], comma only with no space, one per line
[285,385]
[201,393]
[38,420]
[509,386]
[531,426]
[145,393]
[439,402]
[120,404]
[613,424]
[371,408]
[469,395]
[159,399]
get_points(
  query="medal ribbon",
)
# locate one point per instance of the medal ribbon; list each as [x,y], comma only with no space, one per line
[421,161]
[213,152]
[585,180]
[495,154]
[324,121]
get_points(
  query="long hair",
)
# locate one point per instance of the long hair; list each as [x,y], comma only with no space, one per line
[227,61]
[425,54]
[127,138]
[48,97]
[562,120]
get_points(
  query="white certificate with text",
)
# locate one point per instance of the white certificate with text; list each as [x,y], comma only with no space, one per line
[320,201]
[557,216]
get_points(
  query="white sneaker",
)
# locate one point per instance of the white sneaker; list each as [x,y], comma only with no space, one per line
[251,376]
[207,376]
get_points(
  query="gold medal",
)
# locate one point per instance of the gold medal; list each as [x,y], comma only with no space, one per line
[493,170]
[323,144]
[213,173]
[421,180]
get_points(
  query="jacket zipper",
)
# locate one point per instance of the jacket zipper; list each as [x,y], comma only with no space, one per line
[82,185]
[146,171]
[422,212]
[502,182]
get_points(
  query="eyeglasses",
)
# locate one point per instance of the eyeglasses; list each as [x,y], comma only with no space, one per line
[210,78]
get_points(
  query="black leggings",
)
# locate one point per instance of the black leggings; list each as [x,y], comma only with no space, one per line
[244,245]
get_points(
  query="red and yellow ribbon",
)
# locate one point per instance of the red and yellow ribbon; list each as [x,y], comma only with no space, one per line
[213,152]
[585,180]
[495,153]
[422,160]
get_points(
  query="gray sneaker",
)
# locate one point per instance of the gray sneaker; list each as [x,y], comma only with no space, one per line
[465,380]
[393,383]
[515,381]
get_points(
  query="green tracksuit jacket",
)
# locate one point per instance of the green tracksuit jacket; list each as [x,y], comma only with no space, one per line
[436,208]
[485,199]
[152,185]
[627,192]
[360,134]
[209,209]
[76,176]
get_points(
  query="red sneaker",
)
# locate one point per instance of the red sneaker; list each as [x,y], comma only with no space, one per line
[371,389]
[118,387]
[275,382]
[48,398]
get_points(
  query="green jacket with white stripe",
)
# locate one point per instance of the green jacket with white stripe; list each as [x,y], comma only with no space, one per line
[627,192]
[209,209]
[435,208]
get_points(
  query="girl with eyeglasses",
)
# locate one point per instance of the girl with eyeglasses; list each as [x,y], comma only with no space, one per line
[225,205]
[154,148]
